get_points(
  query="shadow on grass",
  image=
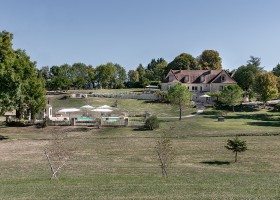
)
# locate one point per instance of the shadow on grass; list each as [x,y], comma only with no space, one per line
[260,117]
[271,123]
[216,162]
[3,137]
[141,129]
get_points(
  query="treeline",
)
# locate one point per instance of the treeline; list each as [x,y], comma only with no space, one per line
[82,76]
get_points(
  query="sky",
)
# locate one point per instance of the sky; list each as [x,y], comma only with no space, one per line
[133,32]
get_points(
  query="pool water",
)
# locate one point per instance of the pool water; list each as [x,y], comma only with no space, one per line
[84,119]
[111,118]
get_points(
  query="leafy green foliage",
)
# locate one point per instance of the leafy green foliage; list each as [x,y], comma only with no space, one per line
[210,59]
[266,86]
[276,70]
[180,96]
[236,145]
[152,123]
[231,96]
[182,61]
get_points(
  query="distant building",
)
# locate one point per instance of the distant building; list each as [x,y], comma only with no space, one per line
[198,81]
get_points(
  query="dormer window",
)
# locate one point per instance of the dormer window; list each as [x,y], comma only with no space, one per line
[202,79]
[223,78]
[170,78]
[186,79]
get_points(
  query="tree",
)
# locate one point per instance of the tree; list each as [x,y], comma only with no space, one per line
[255,61]
[9,87]
[58,152]
[245,75]
[157,67]
[104,74]
[133,76]
[165,153]
[152,123]
[231,96]
[20,86]
[182,61]
[60,77]
[266,86]
[236,146]
[210,60]
[180,96]
[34,92]
[120,77]
[276,70]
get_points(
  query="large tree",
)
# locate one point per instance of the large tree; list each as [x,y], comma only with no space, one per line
[19,80]
[179,96]
[245,75]
[231,96]
[210,59]
[9,87]
[182,61]
[157,67]
[266,86]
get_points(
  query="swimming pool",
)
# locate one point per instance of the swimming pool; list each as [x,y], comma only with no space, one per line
[85,119]
[111,118]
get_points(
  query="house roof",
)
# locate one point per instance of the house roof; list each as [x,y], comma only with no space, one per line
[199,76]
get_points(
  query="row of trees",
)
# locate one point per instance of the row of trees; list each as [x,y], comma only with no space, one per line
[82,76]
[21,88]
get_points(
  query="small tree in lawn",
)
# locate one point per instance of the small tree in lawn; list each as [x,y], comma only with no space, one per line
[236,145]
[165,153]
[58,153]
[180,96]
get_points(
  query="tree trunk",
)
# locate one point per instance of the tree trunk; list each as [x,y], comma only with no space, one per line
[180,114]
[235,157]
[233,109]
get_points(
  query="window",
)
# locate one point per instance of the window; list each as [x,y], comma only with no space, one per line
[223,78]
[194,88]
[200,88]
[186,79]
[202,78]
[221,88]
[170,78]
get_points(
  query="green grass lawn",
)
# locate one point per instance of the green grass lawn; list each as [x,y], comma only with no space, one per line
[120,163]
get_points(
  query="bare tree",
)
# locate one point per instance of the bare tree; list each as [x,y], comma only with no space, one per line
[58,152]
[165,153]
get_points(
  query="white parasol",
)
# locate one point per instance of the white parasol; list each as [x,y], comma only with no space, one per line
[68,110]
[102,110]
[105,107]
[205,96]
[87,107]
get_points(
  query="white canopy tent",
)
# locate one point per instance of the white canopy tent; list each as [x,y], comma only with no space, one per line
[102,110]
[105,107]
[87,108]
[68,110]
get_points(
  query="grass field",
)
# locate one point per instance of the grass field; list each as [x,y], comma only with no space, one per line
[120,163]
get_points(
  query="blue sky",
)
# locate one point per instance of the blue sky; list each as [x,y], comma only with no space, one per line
[130,32]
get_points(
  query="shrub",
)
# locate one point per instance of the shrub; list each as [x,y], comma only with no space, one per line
[152,123]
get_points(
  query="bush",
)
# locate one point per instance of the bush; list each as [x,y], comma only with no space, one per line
[152,123]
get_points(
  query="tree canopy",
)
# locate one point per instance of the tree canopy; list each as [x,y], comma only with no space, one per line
[179,96]
[182,61]
[19,79]
[266,86]
[231,96]
[210,59]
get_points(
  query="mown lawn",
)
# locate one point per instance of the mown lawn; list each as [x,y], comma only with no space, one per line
[120,163]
